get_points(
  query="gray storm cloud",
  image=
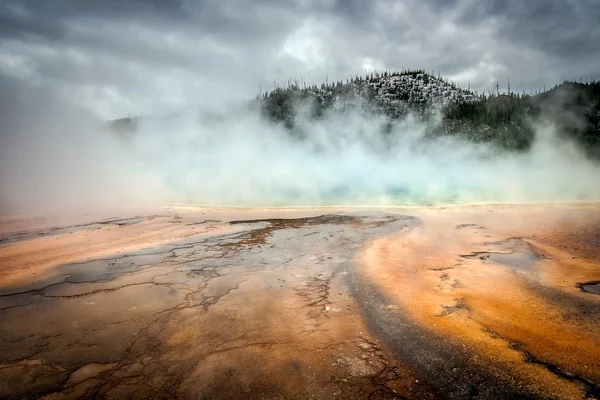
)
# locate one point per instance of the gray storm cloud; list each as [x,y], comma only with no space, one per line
[144,56]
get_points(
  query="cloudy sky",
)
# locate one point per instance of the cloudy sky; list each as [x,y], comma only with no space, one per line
[121,57]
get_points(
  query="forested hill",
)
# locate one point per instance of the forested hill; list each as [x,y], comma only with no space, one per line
[394,94]
[573,107]
[501,118]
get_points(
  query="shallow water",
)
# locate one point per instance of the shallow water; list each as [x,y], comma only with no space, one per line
[592,287]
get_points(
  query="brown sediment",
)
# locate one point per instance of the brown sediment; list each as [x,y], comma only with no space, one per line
[476,302]
[33,260]
[262,311]
[504,282]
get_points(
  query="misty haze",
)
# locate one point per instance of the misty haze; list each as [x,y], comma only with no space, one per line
[261,200]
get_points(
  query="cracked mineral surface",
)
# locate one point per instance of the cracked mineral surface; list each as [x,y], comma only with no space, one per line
[486,302]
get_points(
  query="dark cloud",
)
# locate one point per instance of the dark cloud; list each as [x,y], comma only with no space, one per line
[48,19]
[141,56]
[559,27]
[22,27]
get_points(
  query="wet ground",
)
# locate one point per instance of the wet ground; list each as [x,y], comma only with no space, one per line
[485,303]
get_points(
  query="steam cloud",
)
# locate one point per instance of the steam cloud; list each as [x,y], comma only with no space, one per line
[55,156]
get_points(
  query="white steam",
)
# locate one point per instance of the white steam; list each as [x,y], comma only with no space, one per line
[345,159]
[55,156]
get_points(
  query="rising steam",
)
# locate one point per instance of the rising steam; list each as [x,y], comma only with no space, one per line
[56,156]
